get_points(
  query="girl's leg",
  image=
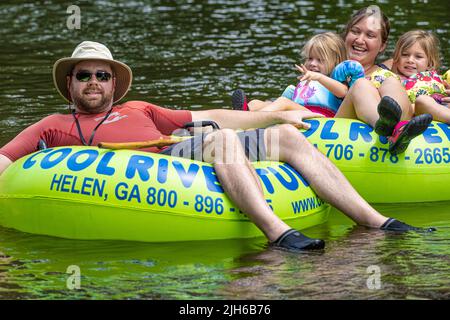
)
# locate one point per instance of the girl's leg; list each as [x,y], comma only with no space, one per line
[280,104]
[393,88]
[362,100]
[257,105]
[283,104]
[361,103]
[426,104]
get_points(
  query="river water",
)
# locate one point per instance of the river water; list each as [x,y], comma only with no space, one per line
[193,54]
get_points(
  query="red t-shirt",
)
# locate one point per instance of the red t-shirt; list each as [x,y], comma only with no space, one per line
[129,122]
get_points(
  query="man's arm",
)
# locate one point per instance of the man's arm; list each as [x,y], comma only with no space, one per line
[4,163]
[233,119]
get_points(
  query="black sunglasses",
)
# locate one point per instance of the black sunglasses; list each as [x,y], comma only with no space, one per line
[85,76]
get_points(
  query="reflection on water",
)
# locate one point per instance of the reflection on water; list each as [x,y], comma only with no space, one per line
[412,266]
[35,267]
[193,54]
[407,269]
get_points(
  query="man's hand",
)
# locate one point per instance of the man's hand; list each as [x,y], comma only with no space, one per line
[308,75]
[4,163]
[296,118]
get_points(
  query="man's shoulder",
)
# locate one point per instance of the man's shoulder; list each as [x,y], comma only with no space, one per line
[146,107]
[149,109]
[136,104]
[56,117]
[51,121]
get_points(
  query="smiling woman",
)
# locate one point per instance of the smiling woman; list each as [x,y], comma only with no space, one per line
[379,100]
[365,37]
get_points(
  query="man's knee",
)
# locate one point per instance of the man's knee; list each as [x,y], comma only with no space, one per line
[221,146]
[289,132]
[282,140]
[220,135]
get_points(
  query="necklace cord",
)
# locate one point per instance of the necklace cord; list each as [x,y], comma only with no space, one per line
[93,132]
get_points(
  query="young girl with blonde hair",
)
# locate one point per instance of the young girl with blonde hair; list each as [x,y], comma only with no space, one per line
[325,81]
[416,59]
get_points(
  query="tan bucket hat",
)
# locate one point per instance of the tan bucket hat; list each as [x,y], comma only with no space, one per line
[89,50]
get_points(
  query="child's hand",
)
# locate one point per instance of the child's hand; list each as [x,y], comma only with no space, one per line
[447,84]
[447,92]
[308,75]
[447,99]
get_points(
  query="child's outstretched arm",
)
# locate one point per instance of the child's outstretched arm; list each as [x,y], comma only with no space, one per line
[337,88]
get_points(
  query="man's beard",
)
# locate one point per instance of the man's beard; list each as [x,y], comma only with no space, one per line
[96,106]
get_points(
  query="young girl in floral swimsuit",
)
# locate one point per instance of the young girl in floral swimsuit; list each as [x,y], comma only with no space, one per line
[416,58]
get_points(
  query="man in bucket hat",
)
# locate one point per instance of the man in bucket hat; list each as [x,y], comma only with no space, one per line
[87,51]
[93,82]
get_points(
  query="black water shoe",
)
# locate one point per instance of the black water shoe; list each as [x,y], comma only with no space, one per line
[239,100]
[293,240]
[397,226]
[405,131]
[390,113]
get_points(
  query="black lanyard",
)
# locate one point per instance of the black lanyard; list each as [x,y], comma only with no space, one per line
[93,132]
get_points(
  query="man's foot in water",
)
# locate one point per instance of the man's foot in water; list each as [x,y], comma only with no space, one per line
[293,240]
[395,225]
